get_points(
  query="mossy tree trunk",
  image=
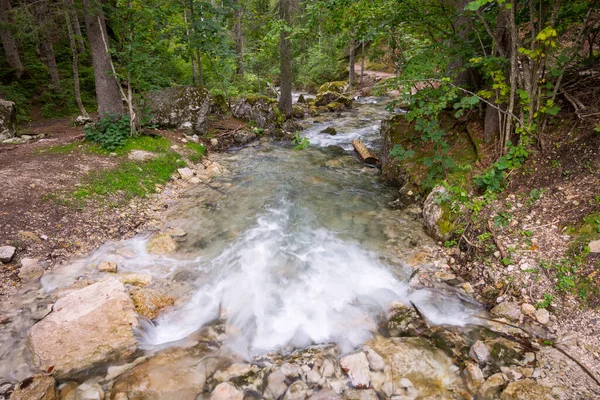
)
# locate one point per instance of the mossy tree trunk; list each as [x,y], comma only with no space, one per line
[8,41]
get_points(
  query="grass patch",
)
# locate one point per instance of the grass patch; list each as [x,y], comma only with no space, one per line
[198,151]
[130,179]
[58,149]
[154,144]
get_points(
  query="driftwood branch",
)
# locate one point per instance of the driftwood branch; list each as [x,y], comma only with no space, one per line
[363,152]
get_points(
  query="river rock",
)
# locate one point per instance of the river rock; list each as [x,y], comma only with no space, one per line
[37,387]
[526,389]
[161,244]
[226,391]
[527,309]
[507,309]
[180,107]
[360,394]
[542,316]
[141,155]
[492,387]
[330,130]
[107,266]
[264,111]
[376,362]
[480,353]
[474,375]
[149,302]
[243,137]
[86,327]
[297,391]
[357,368]
[7,253]
[178,374]
[30,270]
[87,391]
[429,369]
[276,385]
[185,173]
[325,394]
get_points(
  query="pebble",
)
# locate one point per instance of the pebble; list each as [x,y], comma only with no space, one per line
[480,353]
[527,309]
[7,253]
[467,288]
[542,316]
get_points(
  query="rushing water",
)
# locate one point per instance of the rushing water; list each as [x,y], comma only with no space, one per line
[291,248]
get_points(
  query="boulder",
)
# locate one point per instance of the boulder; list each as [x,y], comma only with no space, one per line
[149,302]
[330,130]
[262,110]
[8,119]
[7,253]
[87,327]
[301,99]
[161,244]
[297,112]
[180,107]
[337,87]
[37,387]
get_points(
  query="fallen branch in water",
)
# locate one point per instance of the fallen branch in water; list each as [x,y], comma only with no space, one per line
[363,152]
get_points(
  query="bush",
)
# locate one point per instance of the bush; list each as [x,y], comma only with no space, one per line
[110,132]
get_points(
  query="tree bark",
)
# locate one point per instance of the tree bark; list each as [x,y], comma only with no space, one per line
[44,19]
[187,37]
[75,55]
[285,59]
[8,41]
[362,61]
[239,37]
[351,53]
[107,89]
[76,25]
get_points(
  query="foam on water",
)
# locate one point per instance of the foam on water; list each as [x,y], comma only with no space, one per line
[285,284]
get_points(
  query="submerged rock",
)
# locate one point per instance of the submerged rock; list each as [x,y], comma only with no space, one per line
[330,130]
[180,107]
[86,327]
[149,302]
[161,244]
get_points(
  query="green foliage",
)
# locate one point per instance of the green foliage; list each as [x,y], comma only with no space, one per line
[546,301]
[400,153]
[110,132]
[198,151]
[493,179]
[502,219]
[300,142]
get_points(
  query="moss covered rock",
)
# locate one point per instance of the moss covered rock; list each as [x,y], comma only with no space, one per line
[8,119]
[264,111]
[338,87]
[438,218]
[180,107]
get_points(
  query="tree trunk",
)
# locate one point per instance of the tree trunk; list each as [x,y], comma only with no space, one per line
[239,37]
[285,59]
[199,65]
[187,37]
[76,25]
[48,56]
[8,40]
[107,89]
[362,62]
[351,52]
[75,54]
[44,19]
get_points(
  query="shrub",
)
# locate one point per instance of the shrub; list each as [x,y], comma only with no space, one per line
[110,132]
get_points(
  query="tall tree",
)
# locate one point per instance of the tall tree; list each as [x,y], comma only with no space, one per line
[8,41]
[285,57]
[239,36]
[351,59]
[44,17]
[75,55]
[107,89]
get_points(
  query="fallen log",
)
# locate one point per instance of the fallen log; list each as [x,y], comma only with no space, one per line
[364,153]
